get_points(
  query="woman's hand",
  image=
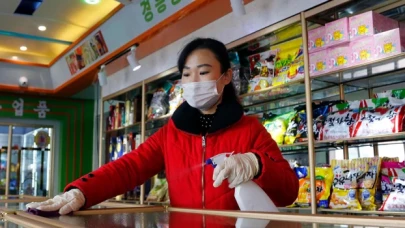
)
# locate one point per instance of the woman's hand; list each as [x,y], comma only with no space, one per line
[237,168]
[67,202]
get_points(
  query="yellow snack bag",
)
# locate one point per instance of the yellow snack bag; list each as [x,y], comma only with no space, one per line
[368,183]
[277,126]
[323,182]
[345,195]
[304,193]
[324,179]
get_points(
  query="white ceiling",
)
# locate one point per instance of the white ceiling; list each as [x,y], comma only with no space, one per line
[66,21]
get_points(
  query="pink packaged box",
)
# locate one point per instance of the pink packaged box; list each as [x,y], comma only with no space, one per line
[389,43]
[363,50]
[337,32]
[318,63]
[316,39]
[339,57]
[370,23]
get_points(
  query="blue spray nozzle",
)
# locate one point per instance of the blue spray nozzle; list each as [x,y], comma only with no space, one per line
[210,162]
[217,159]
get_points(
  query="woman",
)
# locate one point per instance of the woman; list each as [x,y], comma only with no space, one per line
[211,121]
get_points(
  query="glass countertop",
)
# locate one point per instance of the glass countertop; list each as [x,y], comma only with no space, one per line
[179,219]
[8,224]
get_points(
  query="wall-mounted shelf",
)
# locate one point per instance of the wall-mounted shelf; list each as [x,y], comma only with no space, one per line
[135,126]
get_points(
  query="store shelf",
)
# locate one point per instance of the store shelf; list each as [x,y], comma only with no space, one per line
[294,148]
[303,146]
[291,89]
[336,211]
[367,213]
[361,140]
[273,93]
[157,123]
[374,74]
[164,117]
[120,129]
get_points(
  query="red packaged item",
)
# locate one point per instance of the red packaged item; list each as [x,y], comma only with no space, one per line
[380,121]
[396,199]
[390,169]
[338,125]
[393,169]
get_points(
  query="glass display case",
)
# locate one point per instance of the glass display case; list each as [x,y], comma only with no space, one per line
[121,129]
[329,86]
[26,160]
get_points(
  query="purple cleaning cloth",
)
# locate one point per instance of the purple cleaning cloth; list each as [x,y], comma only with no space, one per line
[43,213]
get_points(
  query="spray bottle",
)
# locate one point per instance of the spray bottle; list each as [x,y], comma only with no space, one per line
[249,196]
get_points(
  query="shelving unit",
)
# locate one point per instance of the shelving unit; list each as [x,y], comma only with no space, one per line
[356,82]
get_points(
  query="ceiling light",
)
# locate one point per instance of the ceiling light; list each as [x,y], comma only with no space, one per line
[238,7]
[92,2]
[102,76]
[132,60]
[42,28]
[14,58]
[23,48]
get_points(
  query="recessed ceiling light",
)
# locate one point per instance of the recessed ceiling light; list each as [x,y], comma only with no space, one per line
[92,2]
[14,58]
[23,48]
[42,28]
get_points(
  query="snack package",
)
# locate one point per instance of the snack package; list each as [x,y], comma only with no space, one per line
[262,64]
[290,61]
[395,102]
[319,115]
[159,105]
[323,178]
[393,169]
[368,182]
[380,121]
[386,184]
[396,199]
[234,58]
[175,96]
[292,68]
[345,193]
[259,83]
[361,105]
[302,130]
[291,133]
[338,125]
[158,191]
[398,93]
[277,126]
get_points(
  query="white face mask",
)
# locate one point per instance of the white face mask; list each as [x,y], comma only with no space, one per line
[201,95]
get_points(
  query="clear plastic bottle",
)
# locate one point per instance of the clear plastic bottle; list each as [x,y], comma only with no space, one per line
[248,195]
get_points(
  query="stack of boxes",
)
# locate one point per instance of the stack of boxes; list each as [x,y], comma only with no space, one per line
[353,41]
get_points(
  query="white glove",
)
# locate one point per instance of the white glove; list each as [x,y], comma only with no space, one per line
[238,168]
[67,202]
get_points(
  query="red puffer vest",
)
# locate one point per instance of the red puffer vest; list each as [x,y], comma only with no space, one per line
[181,150]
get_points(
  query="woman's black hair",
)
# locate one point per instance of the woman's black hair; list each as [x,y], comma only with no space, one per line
[221,54]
